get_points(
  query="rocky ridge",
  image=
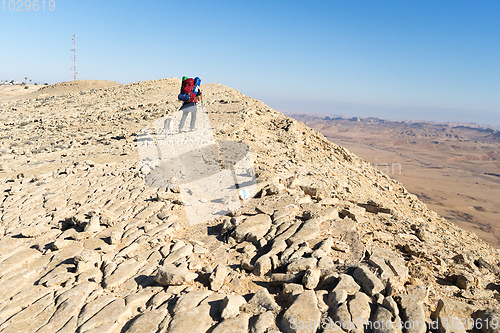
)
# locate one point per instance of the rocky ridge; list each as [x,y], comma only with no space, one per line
[87,246]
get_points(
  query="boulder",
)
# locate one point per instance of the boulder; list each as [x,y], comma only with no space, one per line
[391,265]
[263,265]
[359,308]
[311,278]
[450,324]
[261,302]
[303,315]
[174,276]
[447,307]
[347,283]
[218,277]
[277,279]
[264,323]
[231,306]
[412,306]
[368,281]
[489,319]
[234,324]
[383,321]
[253,228]
[301,264]
[291,290]
[309,229]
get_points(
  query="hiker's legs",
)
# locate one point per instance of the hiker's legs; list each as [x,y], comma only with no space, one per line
[183,119]
[193,118]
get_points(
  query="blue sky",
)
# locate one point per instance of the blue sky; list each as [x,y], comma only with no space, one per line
[343,57]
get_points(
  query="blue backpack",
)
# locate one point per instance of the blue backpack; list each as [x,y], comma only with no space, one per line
[190,90]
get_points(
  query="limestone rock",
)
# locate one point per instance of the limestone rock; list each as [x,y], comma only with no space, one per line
[33,231]
[359,308]
[123,272]
[308,230]
[286,213]
[337,297]
[261,302]
[368,281]
[448,307]
[291,290]
[109,318]
[390,264]
[148,321]
[178,253]
[281,278]
[413,309]
[174,276]
[57,276]
[311,278]
[342,316]
[263,265]
[383,321]
[303,315]
[218,277]
[451,324]
[390,304]
[231,306]
[253,228]
[268,210]
[322,296]
[234,324]
[347,283]
[183,321]
[190,300]
[86,260]
[302,264]
[264,323]
[93,225]
[489,319]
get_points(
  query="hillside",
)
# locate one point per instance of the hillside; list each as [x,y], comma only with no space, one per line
[99,235]
[451,167]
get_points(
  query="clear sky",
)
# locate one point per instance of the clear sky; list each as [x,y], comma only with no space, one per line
[344,56]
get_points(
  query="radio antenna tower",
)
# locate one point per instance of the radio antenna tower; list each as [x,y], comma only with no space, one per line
[74,57]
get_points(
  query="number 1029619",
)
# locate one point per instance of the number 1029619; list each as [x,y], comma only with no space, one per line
[28,5]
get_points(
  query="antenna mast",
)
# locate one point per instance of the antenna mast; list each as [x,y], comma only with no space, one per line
[74,57]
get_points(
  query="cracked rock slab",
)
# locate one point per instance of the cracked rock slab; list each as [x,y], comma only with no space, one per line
[253,228]
[368,281]
[174,276]
[303,315]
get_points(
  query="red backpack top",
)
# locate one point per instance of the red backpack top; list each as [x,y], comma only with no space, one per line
[187,91]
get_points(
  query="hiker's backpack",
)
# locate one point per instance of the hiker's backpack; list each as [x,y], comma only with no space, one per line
[190,89]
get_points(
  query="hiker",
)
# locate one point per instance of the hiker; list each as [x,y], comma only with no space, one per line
[190,94]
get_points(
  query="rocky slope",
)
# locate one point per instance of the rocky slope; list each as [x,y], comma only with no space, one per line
[88,244]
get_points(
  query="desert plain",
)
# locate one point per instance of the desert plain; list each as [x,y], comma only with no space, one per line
[454,168]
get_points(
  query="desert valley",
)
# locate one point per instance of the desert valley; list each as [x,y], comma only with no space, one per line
[453,168]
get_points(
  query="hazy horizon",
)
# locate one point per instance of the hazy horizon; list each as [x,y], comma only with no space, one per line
[394,113]
[385,112]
